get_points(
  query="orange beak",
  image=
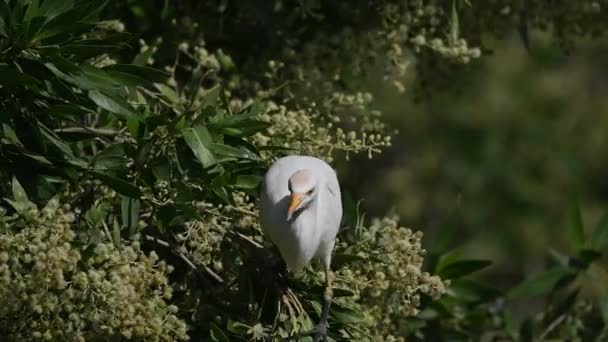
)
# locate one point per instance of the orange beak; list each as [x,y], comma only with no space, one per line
[296,199]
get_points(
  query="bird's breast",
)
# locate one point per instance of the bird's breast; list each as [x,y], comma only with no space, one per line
[297,240]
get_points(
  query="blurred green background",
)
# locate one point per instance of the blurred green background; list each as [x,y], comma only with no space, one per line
[494,155]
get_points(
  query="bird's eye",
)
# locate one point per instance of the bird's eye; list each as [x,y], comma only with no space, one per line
[310,191]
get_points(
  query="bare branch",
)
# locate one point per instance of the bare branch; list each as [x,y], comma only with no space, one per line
[87,130]
[182,256]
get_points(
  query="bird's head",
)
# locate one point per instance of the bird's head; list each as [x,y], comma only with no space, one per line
[303,189]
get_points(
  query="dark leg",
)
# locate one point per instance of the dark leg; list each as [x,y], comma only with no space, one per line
[321,329]
[319,333]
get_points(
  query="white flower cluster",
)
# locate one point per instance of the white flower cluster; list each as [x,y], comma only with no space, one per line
[51,288]
[388,280]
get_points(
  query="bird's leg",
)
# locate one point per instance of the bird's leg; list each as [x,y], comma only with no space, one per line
[328,294]
[319,333]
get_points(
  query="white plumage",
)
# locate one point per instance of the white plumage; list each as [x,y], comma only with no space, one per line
[311,187]
[301,212]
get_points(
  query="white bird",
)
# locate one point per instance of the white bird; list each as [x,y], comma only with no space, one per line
[301,212]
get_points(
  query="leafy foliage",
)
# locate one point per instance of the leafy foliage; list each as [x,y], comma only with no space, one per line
[146,164]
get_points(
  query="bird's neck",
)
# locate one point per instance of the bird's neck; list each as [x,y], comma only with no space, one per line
[309,216]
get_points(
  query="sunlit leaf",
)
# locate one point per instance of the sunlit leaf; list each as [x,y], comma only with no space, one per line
[345,315]
[9,134]
[19,194]
[247,181]
[130,213]
[168,93]
[199,141]
[112,104]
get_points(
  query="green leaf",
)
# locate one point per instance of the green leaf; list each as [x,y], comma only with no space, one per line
[116,232]
[169,94]
[3,28]
[129,80]
[247,181]
[89,48]
[130,214]
[71,21]
[142,58]
[240,125]
[218,188]
[345,315]
[11,77]
[120,186]
[19,194]
[231,152]
[66,110]
[112,157]
[209,96]
[599,239]
[340,259]
[9,134]
[217,334]
[461,268]
[577,234]
[133,125]
[32,10]
[55,140]
[473,291]
[38,158]
[544,283]
[20,201]
[112,104]
[199,141]
[52,8]
[149,74]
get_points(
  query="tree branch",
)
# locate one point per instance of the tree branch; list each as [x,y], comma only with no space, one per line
[182,256]
[87,130]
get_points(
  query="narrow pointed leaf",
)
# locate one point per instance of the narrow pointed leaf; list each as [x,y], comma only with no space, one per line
[577,234]
[117,184]
[599,240]
[461,268]
[544,283]
[112,104]
[199,139]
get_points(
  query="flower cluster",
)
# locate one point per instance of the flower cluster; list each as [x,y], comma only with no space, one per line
[53,289]
[387,277]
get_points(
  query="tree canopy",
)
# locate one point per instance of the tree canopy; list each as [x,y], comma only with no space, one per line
[134,135]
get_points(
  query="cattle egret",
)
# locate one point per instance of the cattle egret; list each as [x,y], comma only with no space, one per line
[301,212]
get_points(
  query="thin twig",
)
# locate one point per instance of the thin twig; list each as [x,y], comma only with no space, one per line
[184,257]
[248,239]
[552,327]
[241,210]
[98,131]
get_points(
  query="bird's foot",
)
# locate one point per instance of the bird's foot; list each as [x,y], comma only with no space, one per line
[318,334]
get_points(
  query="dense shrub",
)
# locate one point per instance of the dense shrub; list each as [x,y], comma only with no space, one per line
[145,151]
